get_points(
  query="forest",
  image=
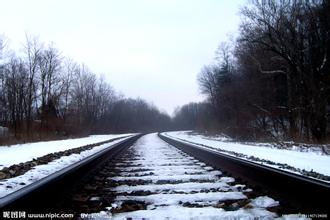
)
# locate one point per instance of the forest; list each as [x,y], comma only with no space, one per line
[271,83]
[44,95]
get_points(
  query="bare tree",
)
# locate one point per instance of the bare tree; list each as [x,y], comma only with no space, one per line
[15,89]
[32,50]
[69,70]
[51,85]
[293,31]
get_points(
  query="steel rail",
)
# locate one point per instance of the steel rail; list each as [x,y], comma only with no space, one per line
[42,191]
[296,193]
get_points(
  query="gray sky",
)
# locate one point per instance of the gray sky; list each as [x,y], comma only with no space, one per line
[153,49]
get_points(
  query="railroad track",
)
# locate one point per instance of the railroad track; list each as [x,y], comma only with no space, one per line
[153,179]
[41,194]
[147,177]
[296,193]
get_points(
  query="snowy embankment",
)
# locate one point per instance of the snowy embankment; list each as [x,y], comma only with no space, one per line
[20,153]
[25,152]
[311,163]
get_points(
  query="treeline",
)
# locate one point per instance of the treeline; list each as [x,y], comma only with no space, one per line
[273,81]
[44,94]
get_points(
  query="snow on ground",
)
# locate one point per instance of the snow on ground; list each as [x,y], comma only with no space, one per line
[19,153]
[8,186]
[309,161]
[176,186]
[264,201]
[183,213]
[180,187]
[202,198]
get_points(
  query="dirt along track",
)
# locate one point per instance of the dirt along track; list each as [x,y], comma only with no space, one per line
[154,179]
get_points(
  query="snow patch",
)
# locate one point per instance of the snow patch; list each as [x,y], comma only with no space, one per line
[304,161]
[184,213]
[11,185]
[178,198]
[19,153]
[264,202]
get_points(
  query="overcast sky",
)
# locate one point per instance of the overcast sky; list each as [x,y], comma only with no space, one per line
[153,49]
